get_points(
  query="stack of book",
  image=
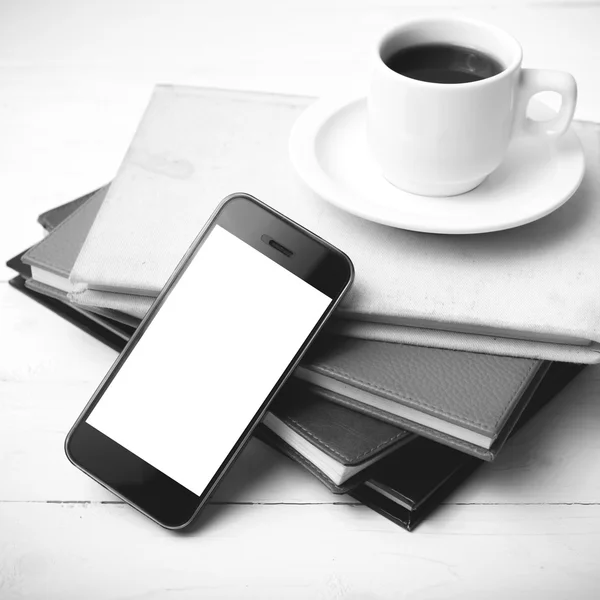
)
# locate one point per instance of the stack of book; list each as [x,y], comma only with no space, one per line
[414,385]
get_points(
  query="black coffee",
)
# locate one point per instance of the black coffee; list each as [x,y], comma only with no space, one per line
[443,63]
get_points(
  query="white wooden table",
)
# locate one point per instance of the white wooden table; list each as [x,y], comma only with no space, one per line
[74,78]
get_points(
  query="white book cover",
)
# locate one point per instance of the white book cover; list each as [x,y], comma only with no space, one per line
[531,291]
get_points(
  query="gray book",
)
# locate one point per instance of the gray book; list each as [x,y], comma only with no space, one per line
[51,260]
[464,400]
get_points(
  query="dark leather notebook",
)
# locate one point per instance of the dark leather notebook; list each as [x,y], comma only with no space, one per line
[465,400]
[336,444]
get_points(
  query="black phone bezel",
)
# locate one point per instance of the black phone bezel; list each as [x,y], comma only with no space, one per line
[132,479]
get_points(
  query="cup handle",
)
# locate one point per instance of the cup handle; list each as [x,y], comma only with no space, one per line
[533,81]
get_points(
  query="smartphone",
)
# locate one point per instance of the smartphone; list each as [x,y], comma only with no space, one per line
[183,397]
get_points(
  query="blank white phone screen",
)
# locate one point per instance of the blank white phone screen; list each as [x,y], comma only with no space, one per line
[208,360]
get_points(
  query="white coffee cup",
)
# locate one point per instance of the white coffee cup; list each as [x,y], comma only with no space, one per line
[440,139]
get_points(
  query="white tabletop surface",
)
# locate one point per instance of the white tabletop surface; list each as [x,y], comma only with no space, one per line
[74,79]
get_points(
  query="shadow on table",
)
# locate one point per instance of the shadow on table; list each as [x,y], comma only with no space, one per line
[259,476]
[543,463]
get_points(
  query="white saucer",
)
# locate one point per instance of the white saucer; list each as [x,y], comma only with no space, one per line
[328,149]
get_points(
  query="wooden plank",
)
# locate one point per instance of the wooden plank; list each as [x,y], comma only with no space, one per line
[55,551]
